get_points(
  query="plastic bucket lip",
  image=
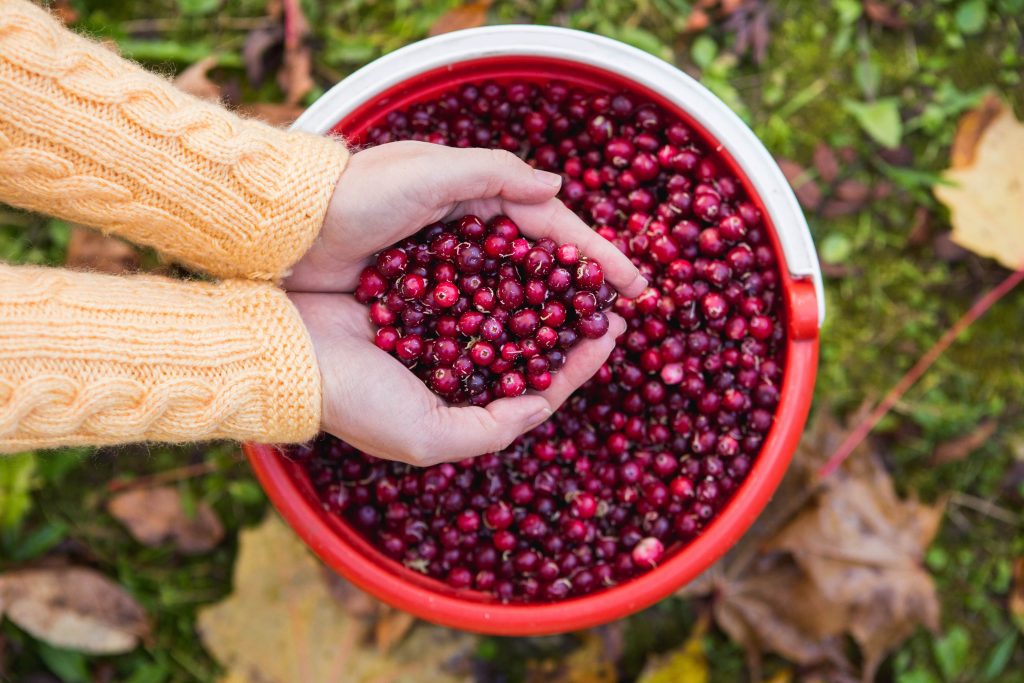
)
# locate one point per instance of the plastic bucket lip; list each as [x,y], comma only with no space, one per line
[567,44]
[343,549]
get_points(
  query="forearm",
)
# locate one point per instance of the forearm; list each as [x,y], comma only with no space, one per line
[96,359]
[90,137]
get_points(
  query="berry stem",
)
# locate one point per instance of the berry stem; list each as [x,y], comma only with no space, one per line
[864,427]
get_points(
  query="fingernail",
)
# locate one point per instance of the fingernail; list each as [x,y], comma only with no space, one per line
[539,417]
[621,325]
[548,178]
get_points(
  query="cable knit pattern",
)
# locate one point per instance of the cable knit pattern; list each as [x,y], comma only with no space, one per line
[98,359]
[90,137]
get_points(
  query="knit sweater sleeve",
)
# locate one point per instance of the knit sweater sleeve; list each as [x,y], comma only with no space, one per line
[89,359]
[90,137]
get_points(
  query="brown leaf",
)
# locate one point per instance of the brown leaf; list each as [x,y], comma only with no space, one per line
[391,628]
[74,608]
[275,114]
[828,559]
[697,21]
[1017,594]
[156,515]
[986,198]
[469,15]
[282,624]
[91,250]
[826,163]
[853,191]
[834,208]
[862,547]
[63,10]
[195,80]
[948,251]
[296,73]
[806,190]
[883,14]
[920,228]
[262,53]
[958,449]
[970,129]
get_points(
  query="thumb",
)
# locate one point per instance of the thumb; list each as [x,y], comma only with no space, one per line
[475,173]
[470,431]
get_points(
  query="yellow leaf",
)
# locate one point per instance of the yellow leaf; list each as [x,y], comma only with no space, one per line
[281,625]
[689,665]
[986,200]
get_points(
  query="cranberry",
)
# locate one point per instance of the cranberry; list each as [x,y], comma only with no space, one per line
[641,458]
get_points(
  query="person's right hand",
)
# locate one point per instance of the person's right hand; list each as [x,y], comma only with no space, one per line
[373,402]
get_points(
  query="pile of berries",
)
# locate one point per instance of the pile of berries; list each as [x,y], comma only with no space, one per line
[478,312]
[644,456]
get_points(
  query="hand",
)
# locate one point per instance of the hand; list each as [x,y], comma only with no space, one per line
[389,192]
[374,403]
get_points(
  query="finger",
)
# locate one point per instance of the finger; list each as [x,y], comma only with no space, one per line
[582,361]
[555,220]
[465,432]
[474,173]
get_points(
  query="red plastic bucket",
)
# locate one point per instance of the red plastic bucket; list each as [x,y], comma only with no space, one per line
[425,69]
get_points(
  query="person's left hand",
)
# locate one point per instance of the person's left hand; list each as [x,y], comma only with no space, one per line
[376,404]
[390,192]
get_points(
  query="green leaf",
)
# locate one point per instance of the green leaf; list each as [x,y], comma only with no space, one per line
[916,676]
[639,38]
[39,541]
[1000,657]
[880,119]
[836,248]
[156,672]
[69,666]
[868,75]
[54,467]
[195,8]
[971,16]
[703,51]
[952,651]
[17,480]
[849,11]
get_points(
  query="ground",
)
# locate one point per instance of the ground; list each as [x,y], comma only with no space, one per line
[894,283]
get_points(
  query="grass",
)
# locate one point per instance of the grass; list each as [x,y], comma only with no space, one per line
[892,300]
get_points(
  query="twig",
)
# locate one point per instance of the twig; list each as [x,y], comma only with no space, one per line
[166,477]
[862,429]
[985,507]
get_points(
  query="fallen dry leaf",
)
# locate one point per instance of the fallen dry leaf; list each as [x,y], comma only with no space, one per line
[63,10]
[296,73]
[1017,594]
[469,15]
[588,663]
[156,515]
[275,114]
[958,449]
[986,201]
[262,52]
[969,131]
[863,549]
[826,163]
[195,80]
[92,250]
[806,190]
[828,559]
[282,624]
[388,625]
[698,20]
[853,191]
[74,608]
[688,665]
[883,14]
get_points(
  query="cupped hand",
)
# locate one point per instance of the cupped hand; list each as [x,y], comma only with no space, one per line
[390,192]
[373,402]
